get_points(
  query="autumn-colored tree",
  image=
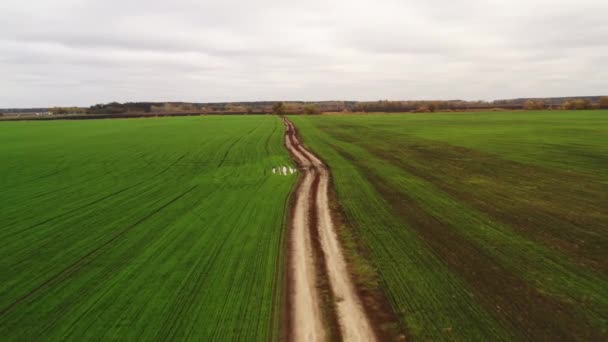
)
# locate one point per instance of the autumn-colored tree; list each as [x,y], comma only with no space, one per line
[311,109]
[278,108]
[66,110]
[293,107]
[422,109]
[604,102]
[534,105]
[577,104]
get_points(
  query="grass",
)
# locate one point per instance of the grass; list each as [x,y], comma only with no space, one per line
[155,229]
[481,226]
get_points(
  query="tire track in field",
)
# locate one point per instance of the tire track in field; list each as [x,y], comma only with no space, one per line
[269,137]
[28,181]
[106,275]
[190,289]
[236,141]
[98,200]
[306,316]
[89,257]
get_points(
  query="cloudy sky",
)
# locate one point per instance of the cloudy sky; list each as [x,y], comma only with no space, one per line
[81,52]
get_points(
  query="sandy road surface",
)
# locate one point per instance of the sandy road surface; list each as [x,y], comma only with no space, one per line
[307,317]
[308,320]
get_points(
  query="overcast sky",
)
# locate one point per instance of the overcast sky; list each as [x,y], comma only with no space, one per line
[81,52]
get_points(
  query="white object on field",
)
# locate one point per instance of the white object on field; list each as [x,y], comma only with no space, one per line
[284,170]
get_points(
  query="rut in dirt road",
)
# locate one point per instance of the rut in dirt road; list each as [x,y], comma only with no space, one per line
[307,320]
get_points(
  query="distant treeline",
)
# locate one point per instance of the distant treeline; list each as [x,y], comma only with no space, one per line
[302,107]
[217,108]
[23,110]
[296,107]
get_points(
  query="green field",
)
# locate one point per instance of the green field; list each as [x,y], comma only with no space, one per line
[481,226]
[143,229]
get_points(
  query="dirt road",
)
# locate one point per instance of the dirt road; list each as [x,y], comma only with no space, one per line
[307,320]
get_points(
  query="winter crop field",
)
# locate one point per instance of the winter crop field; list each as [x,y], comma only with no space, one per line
[142,229]
[454,226]
[478,226]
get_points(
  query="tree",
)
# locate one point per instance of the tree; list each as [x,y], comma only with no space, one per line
[110,108]
[278,108]
[236,108]
[534,105]
[604,102]
[66,110]
[422,109]
[577,104]
[311,109]
[57,110]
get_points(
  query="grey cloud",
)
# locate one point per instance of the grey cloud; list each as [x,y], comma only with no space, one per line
[80,52]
